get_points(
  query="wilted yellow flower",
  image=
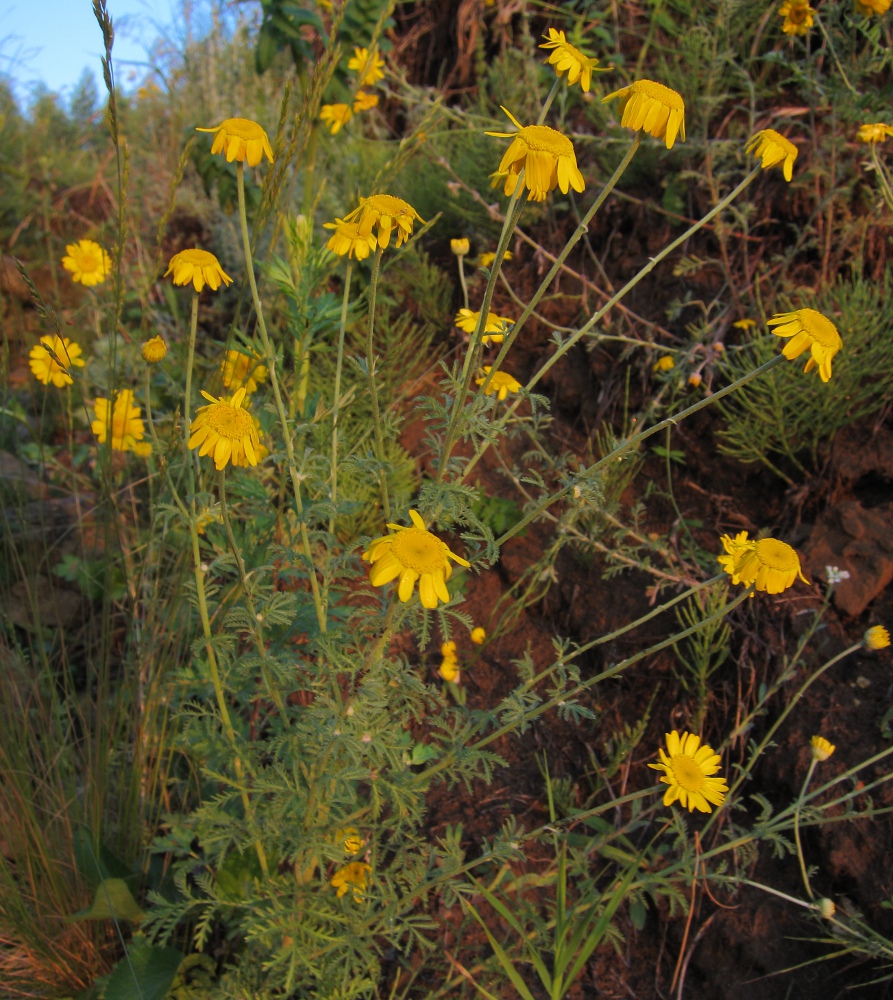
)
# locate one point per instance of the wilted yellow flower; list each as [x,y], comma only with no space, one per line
[478,635]
[768,564]
[798,17]
[240,139]
[238,369]
[354,877]
[809,331]
[387,213]
[367,65]
[486,259]
[688,767]
[122,421]
[877,637]
[154,350]
[347,240]
[567,58]
[226,431]
[868,7]
[826,908]
[350,840]
[44,365]
[773,148]
[413,554]
[364,101]
[494,328]
[664,364]
[874,133]
[547,158]
[337,115]
[88,262]
[653,108]
[460,247]
[821,748]
[745,324]
[198,267]
[501,383]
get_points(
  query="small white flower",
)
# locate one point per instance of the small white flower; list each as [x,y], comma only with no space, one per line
[834,575]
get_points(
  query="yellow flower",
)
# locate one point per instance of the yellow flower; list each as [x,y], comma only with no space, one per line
[88,262]
[387,212]
[773,148]
[412,554]
[199,267]
[877,637]
[826,908]
[364,101]
[653,108]
[488,258]
[478,635]
[44,365]
[205,518]
[240,369]
[225,431]
[567,58]
[809,331]
[798,17]
[350,840]
[664,364]
[501,383]
[874,133]
[745,324]
[240,139]
[768,564]
[868,7]
[347,240]
[547,158]
[448,650]
[460,247]
[687,768]
[337,115]
[821,748]
[494,329]
[123,422]
[154,350]
[449,669]
[354,877]
[367,65]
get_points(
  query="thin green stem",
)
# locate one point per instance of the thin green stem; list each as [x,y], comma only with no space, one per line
[550,97]
[373,391]
[460,263]
[799,805]
[277,396]
[336,403]
[833,52]
[190,359]
[880,170]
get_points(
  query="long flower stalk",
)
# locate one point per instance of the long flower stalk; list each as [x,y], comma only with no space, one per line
[373,391]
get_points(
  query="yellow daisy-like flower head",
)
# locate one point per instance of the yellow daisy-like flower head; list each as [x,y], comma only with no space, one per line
[413,554]
[387,213]
[199,267]
[688,768]
[449,669]
[821,749]
[353,877]
[773,148]
[460,247]
[50,359]
[88,262]
[486,259]
[826,908]
[240,139]
[769,564]
[367,65]
[745,324]
[337,116]
[226,431]
[664,364]
[478,635]
[566,58]
[874,133]
[347,240]
[877,637]
[494,329]
[240,369]
[350,840]
[364,101]
[501,383]
[798,17]
[122,421]
[653,108]
[547,158]
[808,330]
[154,350]
[867,8]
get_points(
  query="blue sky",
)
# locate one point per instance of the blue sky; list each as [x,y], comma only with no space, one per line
[53,41]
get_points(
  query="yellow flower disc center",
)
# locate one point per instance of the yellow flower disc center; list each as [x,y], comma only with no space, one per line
[229,421]
[387,204]
[543,139]
[658,92]
[687,773]
[243,128]
[87,260]
[820,328]
[198,258]
[777,555]
[418,549]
